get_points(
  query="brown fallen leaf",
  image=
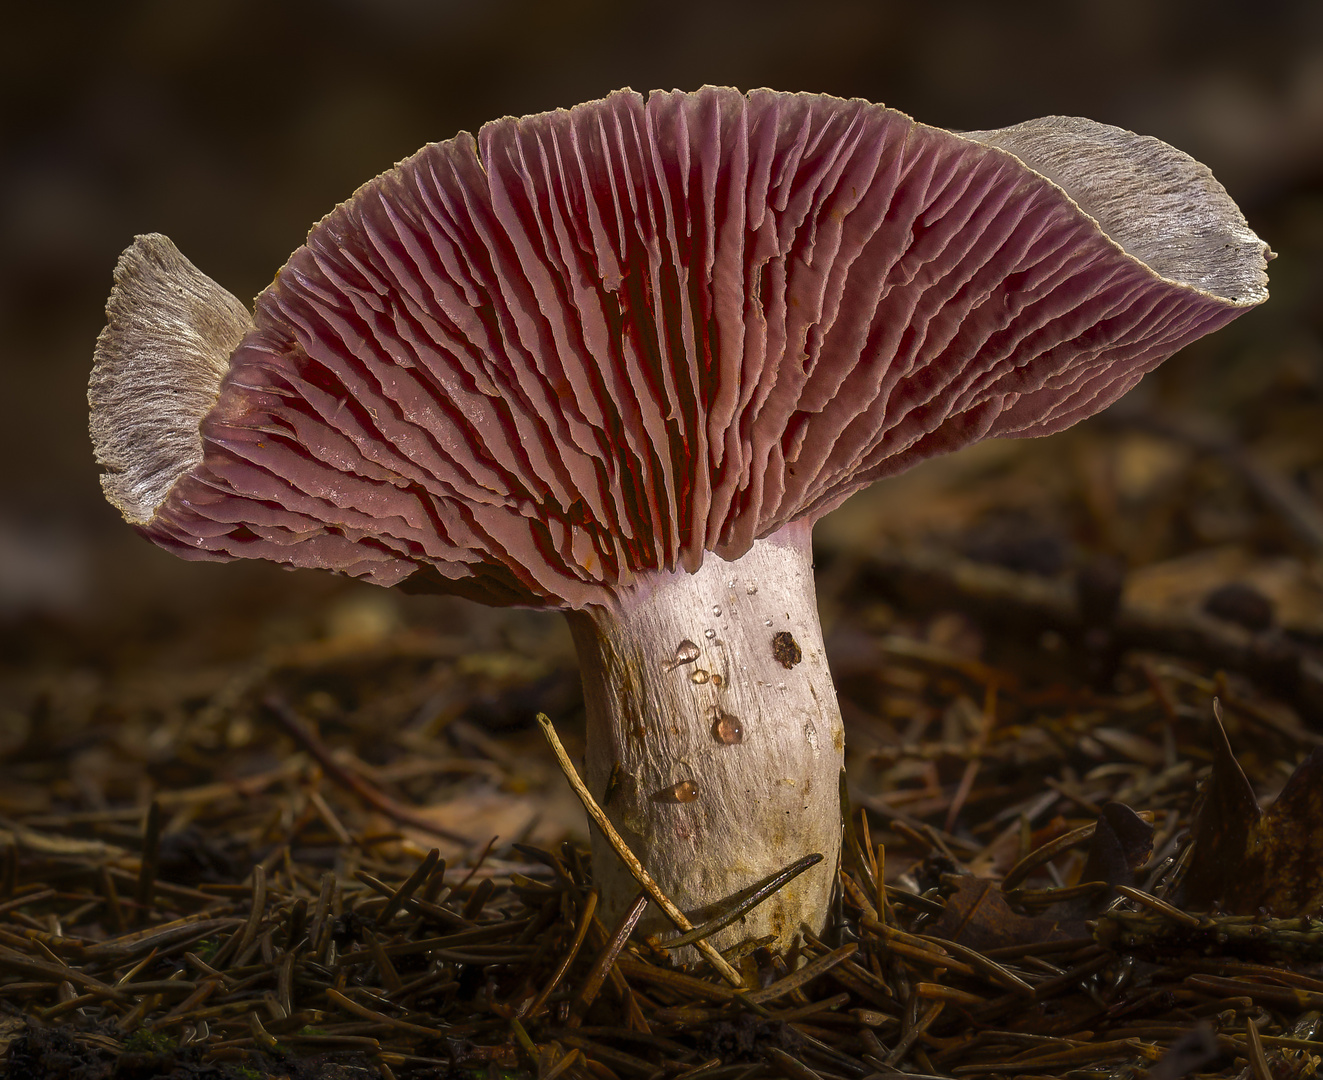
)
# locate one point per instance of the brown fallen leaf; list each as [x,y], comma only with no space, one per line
[1245,861]
[1287,845]
[977,915]
[1224,816]
[1122,843]
[541,818]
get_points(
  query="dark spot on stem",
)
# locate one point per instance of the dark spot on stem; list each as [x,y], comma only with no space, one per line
[785,649]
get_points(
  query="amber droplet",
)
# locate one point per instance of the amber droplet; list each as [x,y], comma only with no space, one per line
[717,680]
[709,634]
[716,610]
[684,791]
[727,729]
[699,675]
[685,653]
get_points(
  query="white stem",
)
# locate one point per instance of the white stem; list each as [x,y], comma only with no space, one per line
[714,738]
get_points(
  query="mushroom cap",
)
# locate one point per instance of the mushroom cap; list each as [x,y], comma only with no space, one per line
[591,345]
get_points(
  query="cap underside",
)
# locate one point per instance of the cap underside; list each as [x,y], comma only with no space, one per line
[599,342]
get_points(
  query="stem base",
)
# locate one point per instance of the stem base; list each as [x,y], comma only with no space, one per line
[715,740]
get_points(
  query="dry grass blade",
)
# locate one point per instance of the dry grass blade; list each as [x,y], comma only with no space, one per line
[401,895]
[801,976]
[534,1005]
[744,901]
[604,1055]
[12,961]
[592,984]
[1258,1061]
[151,854]
[998,973]
[676,981]
[566,1062]
[168,935]
[911,1035]
[949,994]
[789,1067]
[1256,991]
[1050,851]
[1159,905]
[349,1005]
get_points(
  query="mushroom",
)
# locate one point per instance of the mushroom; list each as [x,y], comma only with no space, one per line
[617,360]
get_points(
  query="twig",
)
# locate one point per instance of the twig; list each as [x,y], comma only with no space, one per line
[630,860]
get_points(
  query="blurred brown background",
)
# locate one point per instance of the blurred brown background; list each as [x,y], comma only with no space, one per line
[232,126]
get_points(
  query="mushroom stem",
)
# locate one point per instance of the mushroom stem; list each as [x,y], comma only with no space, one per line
[714,738]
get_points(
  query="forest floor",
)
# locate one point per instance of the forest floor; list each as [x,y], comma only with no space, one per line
[318,833]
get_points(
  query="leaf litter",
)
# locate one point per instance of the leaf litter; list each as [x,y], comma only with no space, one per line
[347,852]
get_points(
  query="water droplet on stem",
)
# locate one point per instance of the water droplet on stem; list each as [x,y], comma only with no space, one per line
[684,791]
[685,653]
[727,729]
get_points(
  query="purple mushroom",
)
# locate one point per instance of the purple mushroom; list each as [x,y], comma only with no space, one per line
[617,360]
